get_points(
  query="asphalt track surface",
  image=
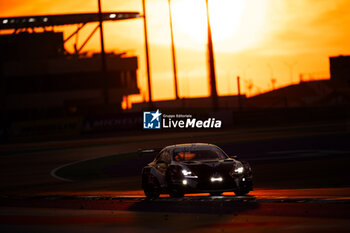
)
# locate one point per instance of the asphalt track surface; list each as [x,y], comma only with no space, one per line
[31,200]
[312,210]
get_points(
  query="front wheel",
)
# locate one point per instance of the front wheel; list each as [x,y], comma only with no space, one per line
[241,192]
[152,188]
[215,193]
[176,193]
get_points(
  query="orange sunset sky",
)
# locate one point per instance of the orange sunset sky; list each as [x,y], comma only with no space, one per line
[255,39]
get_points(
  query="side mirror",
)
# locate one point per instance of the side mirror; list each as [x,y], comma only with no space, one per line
[234,157]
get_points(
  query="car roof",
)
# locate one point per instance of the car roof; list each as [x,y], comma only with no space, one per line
[190,145]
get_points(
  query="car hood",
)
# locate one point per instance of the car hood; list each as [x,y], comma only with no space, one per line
[209,168]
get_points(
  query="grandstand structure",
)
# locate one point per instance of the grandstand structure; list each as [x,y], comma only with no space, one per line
[41,79]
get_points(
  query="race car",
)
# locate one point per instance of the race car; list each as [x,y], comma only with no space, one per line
[195,168]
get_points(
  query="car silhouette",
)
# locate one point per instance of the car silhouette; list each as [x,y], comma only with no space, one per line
[195,168]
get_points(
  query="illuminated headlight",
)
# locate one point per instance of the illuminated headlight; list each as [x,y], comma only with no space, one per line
[184,182]
[188,174]
[216,179]
[239,168]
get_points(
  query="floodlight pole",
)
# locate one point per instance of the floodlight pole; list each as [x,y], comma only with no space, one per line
[239,92]
[211,64]
[147,56]
[173,52]
[103,56]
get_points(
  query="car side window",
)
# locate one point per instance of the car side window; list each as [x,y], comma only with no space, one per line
[157,158]
[164,157]
[167,157]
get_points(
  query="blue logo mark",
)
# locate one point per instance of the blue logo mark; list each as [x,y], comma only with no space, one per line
[151,120]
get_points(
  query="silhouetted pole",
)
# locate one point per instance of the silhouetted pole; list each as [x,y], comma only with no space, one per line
[291,67]
[239,92]
[147,55]
[103,56]
[173,52]
[211,64]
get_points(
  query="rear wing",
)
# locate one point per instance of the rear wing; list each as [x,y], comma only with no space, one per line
[144,152]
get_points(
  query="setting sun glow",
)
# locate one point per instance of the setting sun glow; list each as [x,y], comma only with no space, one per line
[229,19]
[253,39]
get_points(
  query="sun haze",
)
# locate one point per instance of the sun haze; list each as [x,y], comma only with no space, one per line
[257,40]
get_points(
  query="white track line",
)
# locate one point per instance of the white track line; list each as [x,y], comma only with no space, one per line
[54,171]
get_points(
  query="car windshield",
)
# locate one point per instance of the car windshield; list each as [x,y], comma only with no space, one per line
[198,154]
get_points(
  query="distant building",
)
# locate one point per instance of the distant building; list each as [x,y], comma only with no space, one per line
[40,79]
[317,93]
[304,94]
[340,68]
